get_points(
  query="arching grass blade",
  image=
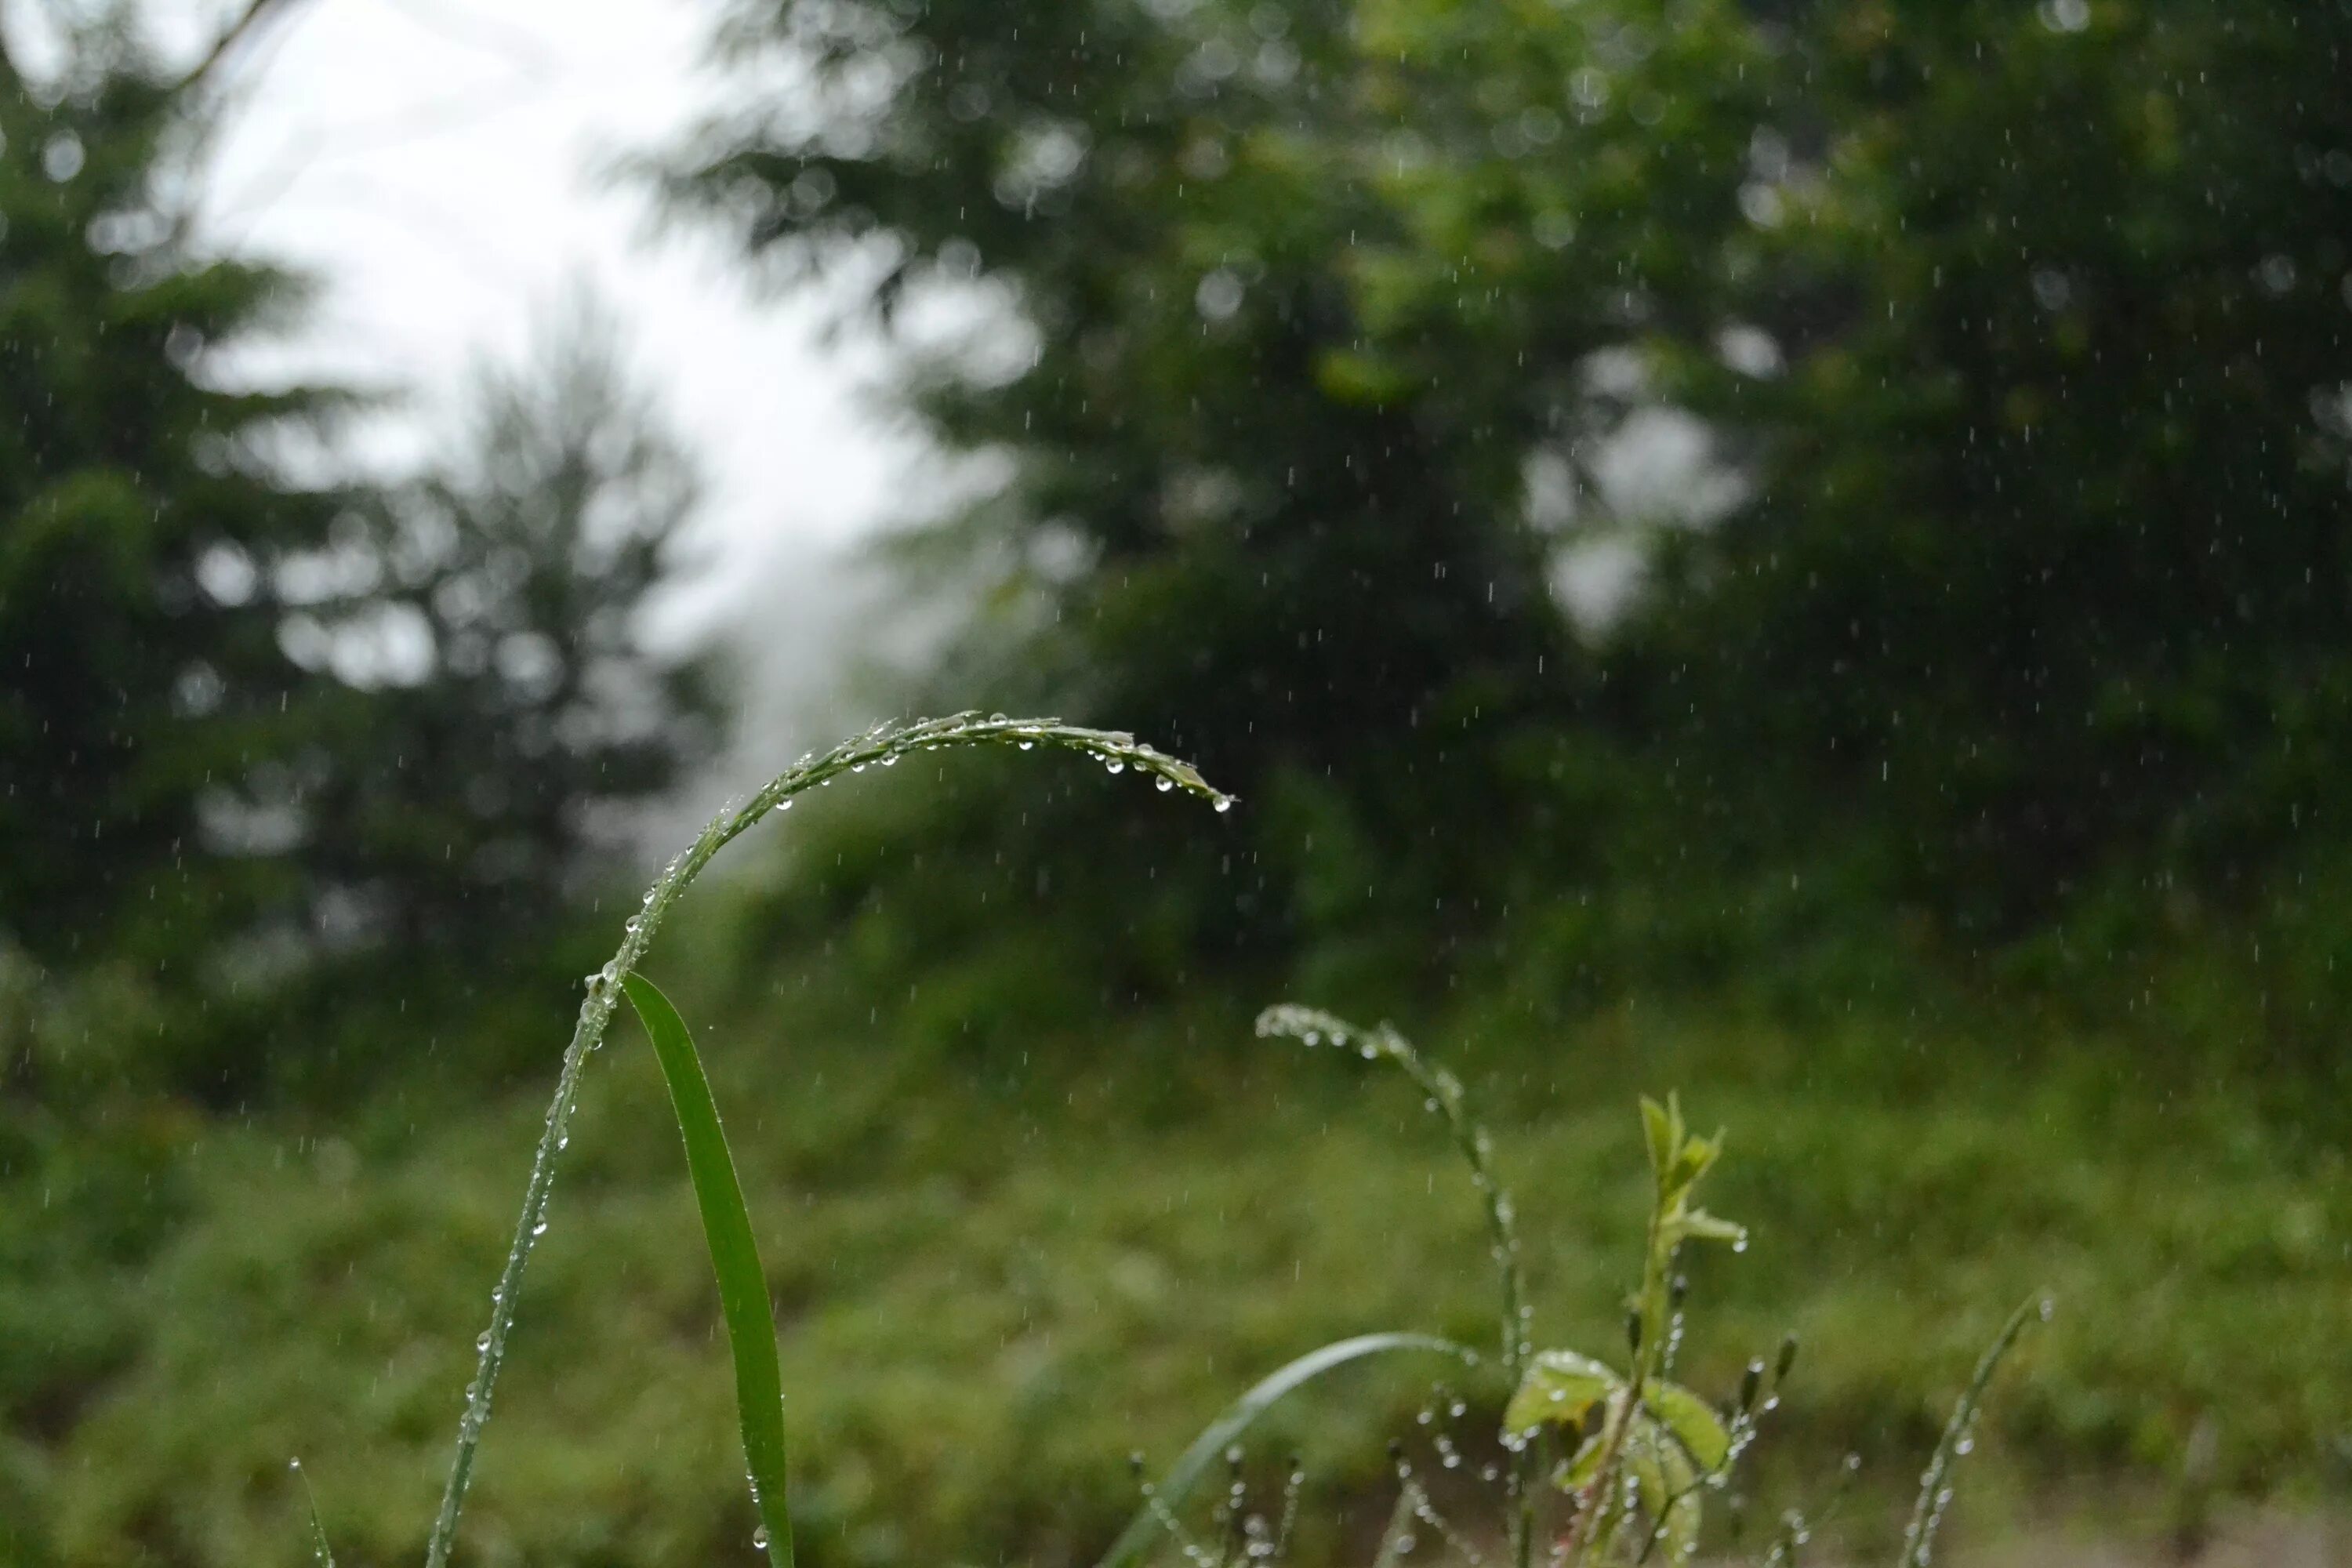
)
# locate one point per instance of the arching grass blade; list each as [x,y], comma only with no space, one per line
[1243,1414]
[734,1257]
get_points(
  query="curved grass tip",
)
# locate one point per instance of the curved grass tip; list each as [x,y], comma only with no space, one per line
[1314,1027]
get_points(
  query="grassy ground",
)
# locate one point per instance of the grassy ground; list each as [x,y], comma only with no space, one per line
[999,1277]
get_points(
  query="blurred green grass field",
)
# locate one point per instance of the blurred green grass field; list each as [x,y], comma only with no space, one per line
[1000,1273]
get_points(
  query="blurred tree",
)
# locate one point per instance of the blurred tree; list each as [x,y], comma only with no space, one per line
[1240,521]
[251,716]
[139,515]
[1987,363]
[2050,556]
[500,642]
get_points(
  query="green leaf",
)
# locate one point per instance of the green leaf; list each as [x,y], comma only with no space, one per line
[1700,1225]
[1669,1487]
[1559,1387]
[1144,1527]
[1659,1133]
[1586,1465]
[734,1257]
[1693,1422]
[1692,1159]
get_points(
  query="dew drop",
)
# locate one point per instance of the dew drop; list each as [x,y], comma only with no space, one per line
[1224,805]
[759,1538]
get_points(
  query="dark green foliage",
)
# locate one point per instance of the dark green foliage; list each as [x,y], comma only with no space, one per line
[146,702]
[2008,345]
[2048,553]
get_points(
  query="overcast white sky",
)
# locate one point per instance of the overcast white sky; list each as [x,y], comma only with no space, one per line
[437,161]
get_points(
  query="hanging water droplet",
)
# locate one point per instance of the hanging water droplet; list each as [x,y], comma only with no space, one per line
[1114,765]
[1163,783]
[1224,805]
[540,1229]
[482,1341]
[1026,744]
[759,1538]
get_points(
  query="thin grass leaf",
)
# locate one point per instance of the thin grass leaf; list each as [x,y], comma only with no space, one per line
[734,1257]
[1935,1488]
[320,1552]
[1243,1414]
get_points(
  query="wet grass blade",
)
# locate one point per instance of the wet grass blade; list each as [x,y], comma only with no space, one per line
[734,1257]
[320,1552]
[1935,1485]
[1205,1450]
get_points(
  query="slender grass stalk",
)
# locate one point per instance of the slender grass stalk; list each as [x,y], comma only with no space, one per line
[1243,1414]
[1444,1095]
[880,747]
[1959,1435]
